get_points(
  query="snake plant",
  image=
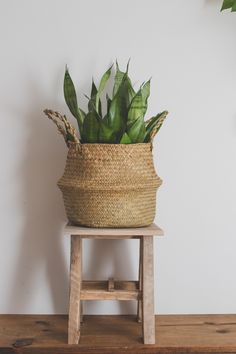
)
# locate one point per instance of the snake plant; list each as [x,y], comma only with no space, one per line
[229,4]
[123,121]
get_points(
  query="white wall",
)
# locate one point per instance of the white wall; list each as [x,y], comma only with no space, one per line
[188,47]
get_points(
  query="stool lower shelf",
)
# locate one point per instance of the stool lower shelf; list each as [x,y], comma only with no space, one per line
[99,290]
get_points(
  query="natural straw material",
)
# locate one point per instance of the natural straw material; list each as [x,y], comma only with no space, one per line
[110,185]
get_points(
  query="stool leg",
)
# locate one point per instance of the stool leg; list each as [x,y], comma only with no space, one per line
[81,312]
[81,302]
[75,287]
[148,291]
[140,305]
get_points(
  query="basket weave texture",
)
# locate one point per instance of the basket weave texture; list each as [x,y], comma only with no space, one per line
[110,185]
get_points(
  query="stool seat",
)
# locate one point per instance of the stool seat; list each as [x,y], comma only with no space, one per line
[141,290]
[108,233]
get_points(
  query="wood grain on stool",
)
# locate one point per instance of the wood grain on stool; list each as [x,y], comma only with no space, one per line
[148,291]
[111,284]
[75,289]
[140,305]
[141,290]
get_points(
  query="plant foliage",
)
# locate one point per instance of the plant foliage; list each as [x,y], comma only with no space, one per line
[124,120]
[229,4]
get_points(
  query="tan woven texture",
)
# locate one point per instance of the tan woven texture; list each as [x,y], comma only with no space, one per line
[110,185]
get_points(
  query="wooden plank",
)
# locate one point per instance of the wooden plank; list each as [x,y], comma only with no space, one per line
[81,275]
[177,334]
[148,291]
[140,304]
[110,295]
[98,290]
[75,290]
[151,230]
[109,237]
[102,285]
[111,284]
[81,312]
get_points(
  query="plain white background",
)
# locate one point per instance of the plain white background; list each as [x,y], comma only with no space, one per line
[188,47]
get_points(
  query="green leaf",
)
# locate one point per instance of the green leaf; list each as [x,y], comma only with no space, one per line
[136,130]
[82,114]
[152,121]
[138,106]
[227,4]
[118,80]
[71,98]
[106,134]
[90,128]
[108,102]
[117,115]
[145,95]
[102,84]
[92,100]
[125,139]
[154,124]
[234,6]
[70,93]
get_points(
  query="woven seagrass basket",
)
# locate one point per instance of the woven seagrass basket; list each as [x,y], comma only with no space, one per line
[110,185]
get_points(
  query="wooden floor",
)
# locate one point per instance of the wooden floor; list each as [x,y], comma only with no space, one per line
[47,334]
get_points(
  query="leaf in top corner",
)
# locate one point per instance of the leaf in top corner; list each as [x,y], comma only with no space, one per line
[234,6]
[227,4]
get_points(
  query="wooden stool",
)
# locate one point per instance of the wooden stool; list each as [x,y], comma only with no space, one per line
[141,290]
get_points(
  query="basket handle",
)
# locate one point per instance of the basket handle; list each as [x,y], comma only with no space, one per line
[65,128]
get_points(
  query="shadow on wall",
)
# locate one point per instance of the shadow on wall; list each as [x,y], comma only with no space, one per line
[40,255]
[41,263]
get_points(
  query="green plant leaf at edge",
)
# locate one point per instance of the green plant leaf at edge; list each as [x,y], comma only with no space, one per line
[227,4]
[71,99]
[234,6]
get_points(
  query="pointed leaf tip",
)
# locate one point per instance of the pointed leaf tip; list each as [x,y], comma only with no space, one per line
[117,65]
[127,66]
